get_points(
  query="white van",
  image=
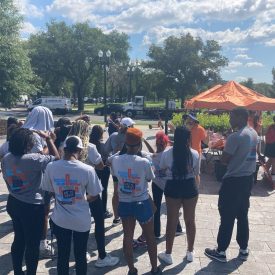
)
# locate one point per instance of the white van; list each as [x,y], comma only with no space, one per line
[59,105]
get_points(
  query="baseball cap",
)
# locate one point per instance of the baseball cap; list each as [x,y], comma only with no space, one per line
[73,142]
[133,136]
[127,121]
[193,117]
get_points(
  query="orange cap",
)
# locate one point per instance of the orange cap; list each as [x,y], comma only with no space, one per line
[133,136]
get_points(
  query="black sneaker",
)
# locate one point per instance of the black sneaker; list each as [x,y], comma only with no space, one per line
[135,272]
[108,214]
[243,254]
[215,254]
[156,272]
[116,221]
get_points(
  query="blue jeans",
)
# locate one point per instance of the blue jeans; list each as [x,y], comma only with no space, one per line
[142,211]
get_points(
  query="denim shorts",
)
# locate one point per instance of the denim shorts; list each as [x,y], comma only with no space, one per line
[181,189]
[142,211]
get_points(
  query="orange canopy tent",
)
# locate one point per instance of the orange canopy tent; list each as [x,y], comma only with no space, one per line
[229,96]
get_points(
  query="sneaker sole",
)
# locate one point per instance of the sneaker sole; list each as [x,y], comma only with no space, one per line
[163,261]
[101,266]
[215,258]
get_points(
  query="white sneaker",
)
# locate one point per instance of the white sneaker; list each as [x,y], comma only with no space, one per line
[167,258]
[189,256]
[107,261]
[88,256]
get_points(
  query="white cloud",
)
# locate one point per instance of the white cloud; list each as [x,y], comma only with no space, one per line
[254,64]
[240,50]
[270,43]
[27,9]
[241,78]
[234,64]
[229,71]
[242,56]
[28,28]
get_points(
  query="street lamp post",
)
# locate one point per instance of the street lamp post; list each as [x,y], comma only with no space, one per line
[104,59]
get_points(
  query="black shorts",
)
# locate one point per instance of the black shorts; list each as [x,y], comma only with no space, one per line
[181,189]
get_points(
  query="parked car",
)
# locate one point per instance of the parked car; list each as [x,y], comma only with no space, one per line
[117,108]
[59,105]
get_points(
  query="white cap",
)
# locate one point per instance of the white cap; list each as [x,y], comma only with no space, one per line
[127,121]
[73,142]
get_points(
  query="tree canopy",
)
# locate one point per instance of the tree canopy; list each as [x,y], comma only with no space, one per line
[16,76]
[70,53]
[187,63]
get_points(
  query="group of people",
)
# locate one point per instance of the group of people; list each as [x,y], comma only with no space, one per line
[72,165]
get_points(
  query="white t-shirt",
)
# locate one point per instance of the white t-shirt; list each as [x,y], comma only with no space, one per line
[94,157]
[4,149]
[70,181]
[133,173]
[166,162]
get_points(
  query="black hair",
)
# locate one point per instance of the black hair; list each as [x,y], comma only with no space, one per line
[21,142]
[11,120]
[113,116]
[11,130]
[241,113]
[96,136]
[182,156]
[124,150]
[71,145]
[63,121]
[274,118]
[61,134]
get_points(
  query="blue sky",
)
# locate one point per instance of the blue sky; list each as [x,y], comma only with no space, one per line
[244,28]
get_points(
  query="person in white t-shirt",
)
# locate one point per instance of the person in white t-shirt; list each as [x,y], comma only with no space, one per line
[70,179]
[91,156]
[182,166]
[133,173]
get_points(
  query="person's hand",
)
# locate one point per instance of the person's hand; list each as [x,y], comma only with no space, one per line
[86,118]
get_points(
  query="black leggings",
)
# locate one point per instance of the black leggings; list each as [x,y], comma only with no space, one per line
[98,215]
[64,238]
[28,223]
[104,175]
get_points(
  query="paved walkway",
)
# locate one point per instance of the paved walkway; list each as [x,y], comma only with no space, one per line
[262,238]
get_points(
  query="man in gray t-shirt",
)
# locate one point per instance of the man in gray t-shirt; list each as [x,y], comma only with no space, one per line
[239,156]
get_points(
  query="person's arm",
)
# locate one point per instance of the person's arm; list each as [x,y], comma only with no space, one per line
[149,147]
[95,158]
[171,126]
[50,137]
[229,149]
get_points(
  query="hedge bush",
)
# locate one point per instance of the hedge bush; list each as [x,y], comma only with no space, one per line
[219,123]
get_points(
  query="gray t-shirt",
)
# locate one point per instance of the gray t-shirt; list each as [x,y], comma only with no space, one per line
[39,144]
[241,146]
[70,181]
[114,143]
[23,176]
[133,173]
[4,149]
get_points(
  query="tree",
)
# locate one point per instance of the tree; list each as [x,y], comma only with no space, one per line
[16,76]
[71,53]
[249,83]
[187,63]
